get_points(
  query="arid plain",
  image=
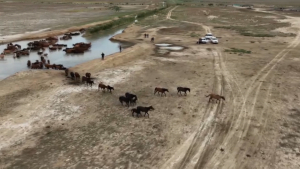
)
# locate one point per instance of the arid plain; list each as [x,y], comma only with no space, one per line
[46,121]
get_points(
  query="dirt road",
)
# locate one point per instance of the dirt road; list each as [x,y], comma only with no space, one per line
[241,132]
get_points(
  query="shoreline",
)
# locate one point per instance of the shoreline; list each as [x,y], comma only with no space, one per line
[44,33]
[109,58]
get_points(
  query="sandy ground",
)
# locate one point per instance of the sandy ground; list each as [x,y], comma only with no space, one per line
[48,121]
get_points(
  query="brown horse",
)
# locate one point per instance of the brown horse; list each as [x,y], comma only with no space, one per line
[28,63]
[160,90]
[102,86]
[84,79]
[88,75]
[89,82]
[66,72]
[215,96]
[77,76]
[2,56]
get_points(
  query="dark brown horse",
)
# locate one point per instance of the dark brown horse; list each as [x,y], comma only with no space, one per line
[66,72]
[124,99]
[89,82]
[84,79]
[28,63]
[183,89]
[2,56]
[102,86]
[144,109]
[88,75]
[215,96]
[109,88]
[134,110]
[77,76]
[160,90]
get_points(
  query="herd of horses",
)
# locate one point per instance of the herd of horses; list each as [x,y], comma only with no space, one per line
[130,99]
[40,47]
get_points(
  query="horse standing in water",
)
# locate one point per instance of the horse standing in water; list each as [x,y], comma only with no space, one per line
[2,55]
[215,96]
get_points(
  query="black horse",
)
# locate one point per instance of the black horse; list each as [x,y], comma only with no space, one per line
[133,98]
[144,109]
[183,89]
[72,74]
[124,99]
[109,88]
[134,110]
[89,82]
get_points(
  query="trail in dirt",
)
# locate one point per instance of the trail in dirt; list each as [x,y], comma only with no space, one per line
[241,137]
[170,13]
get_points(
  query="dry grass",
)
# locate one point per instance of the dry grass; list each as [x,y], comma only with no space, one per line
[246,22]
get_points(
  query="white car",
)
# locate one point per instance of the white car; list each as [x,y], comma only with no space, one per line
[214,40]
[209,35]
[203,40]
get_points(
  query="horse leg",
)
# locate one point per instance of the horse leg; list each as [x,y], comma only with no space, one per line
[185,93]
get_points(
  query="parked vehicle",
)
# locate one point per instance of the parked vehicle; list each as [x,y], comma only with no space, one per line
[203,41]
[214,40]
[209,35]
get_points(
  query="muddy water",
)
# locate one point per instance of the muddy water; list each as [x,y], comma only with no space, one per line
[100,43]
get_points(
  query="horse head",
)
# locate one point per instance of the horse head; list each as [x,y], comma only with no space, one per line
[151,108]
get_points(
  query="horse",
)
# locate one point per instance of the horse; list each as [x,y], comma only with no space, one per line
[160,90]
[102,86]
[152,39]
[77,76]
[72,75]
[183,89]
[215,96]
[134,110]
[2,55]
[133,98]
[124,99]
[84,79]
[109,88]
[89,82]
[66,72]
[144,109]
[28,63]
[88,75]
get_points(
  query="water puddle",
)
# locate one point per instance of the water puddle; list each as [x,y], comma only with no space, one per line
[100,43]
[166,48]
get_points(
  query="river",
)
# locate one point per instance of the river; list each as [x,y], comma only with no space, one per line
[100,43]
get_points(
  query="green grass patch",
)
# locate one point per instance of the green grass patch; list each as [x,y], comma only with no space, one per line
[235,50]
[123,21]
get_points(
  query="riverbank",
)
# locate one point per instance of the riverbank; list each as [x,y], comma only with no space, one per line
[46,33]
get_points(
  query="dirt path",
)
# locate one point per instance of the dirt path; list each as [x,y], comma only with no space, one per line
[237,134]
